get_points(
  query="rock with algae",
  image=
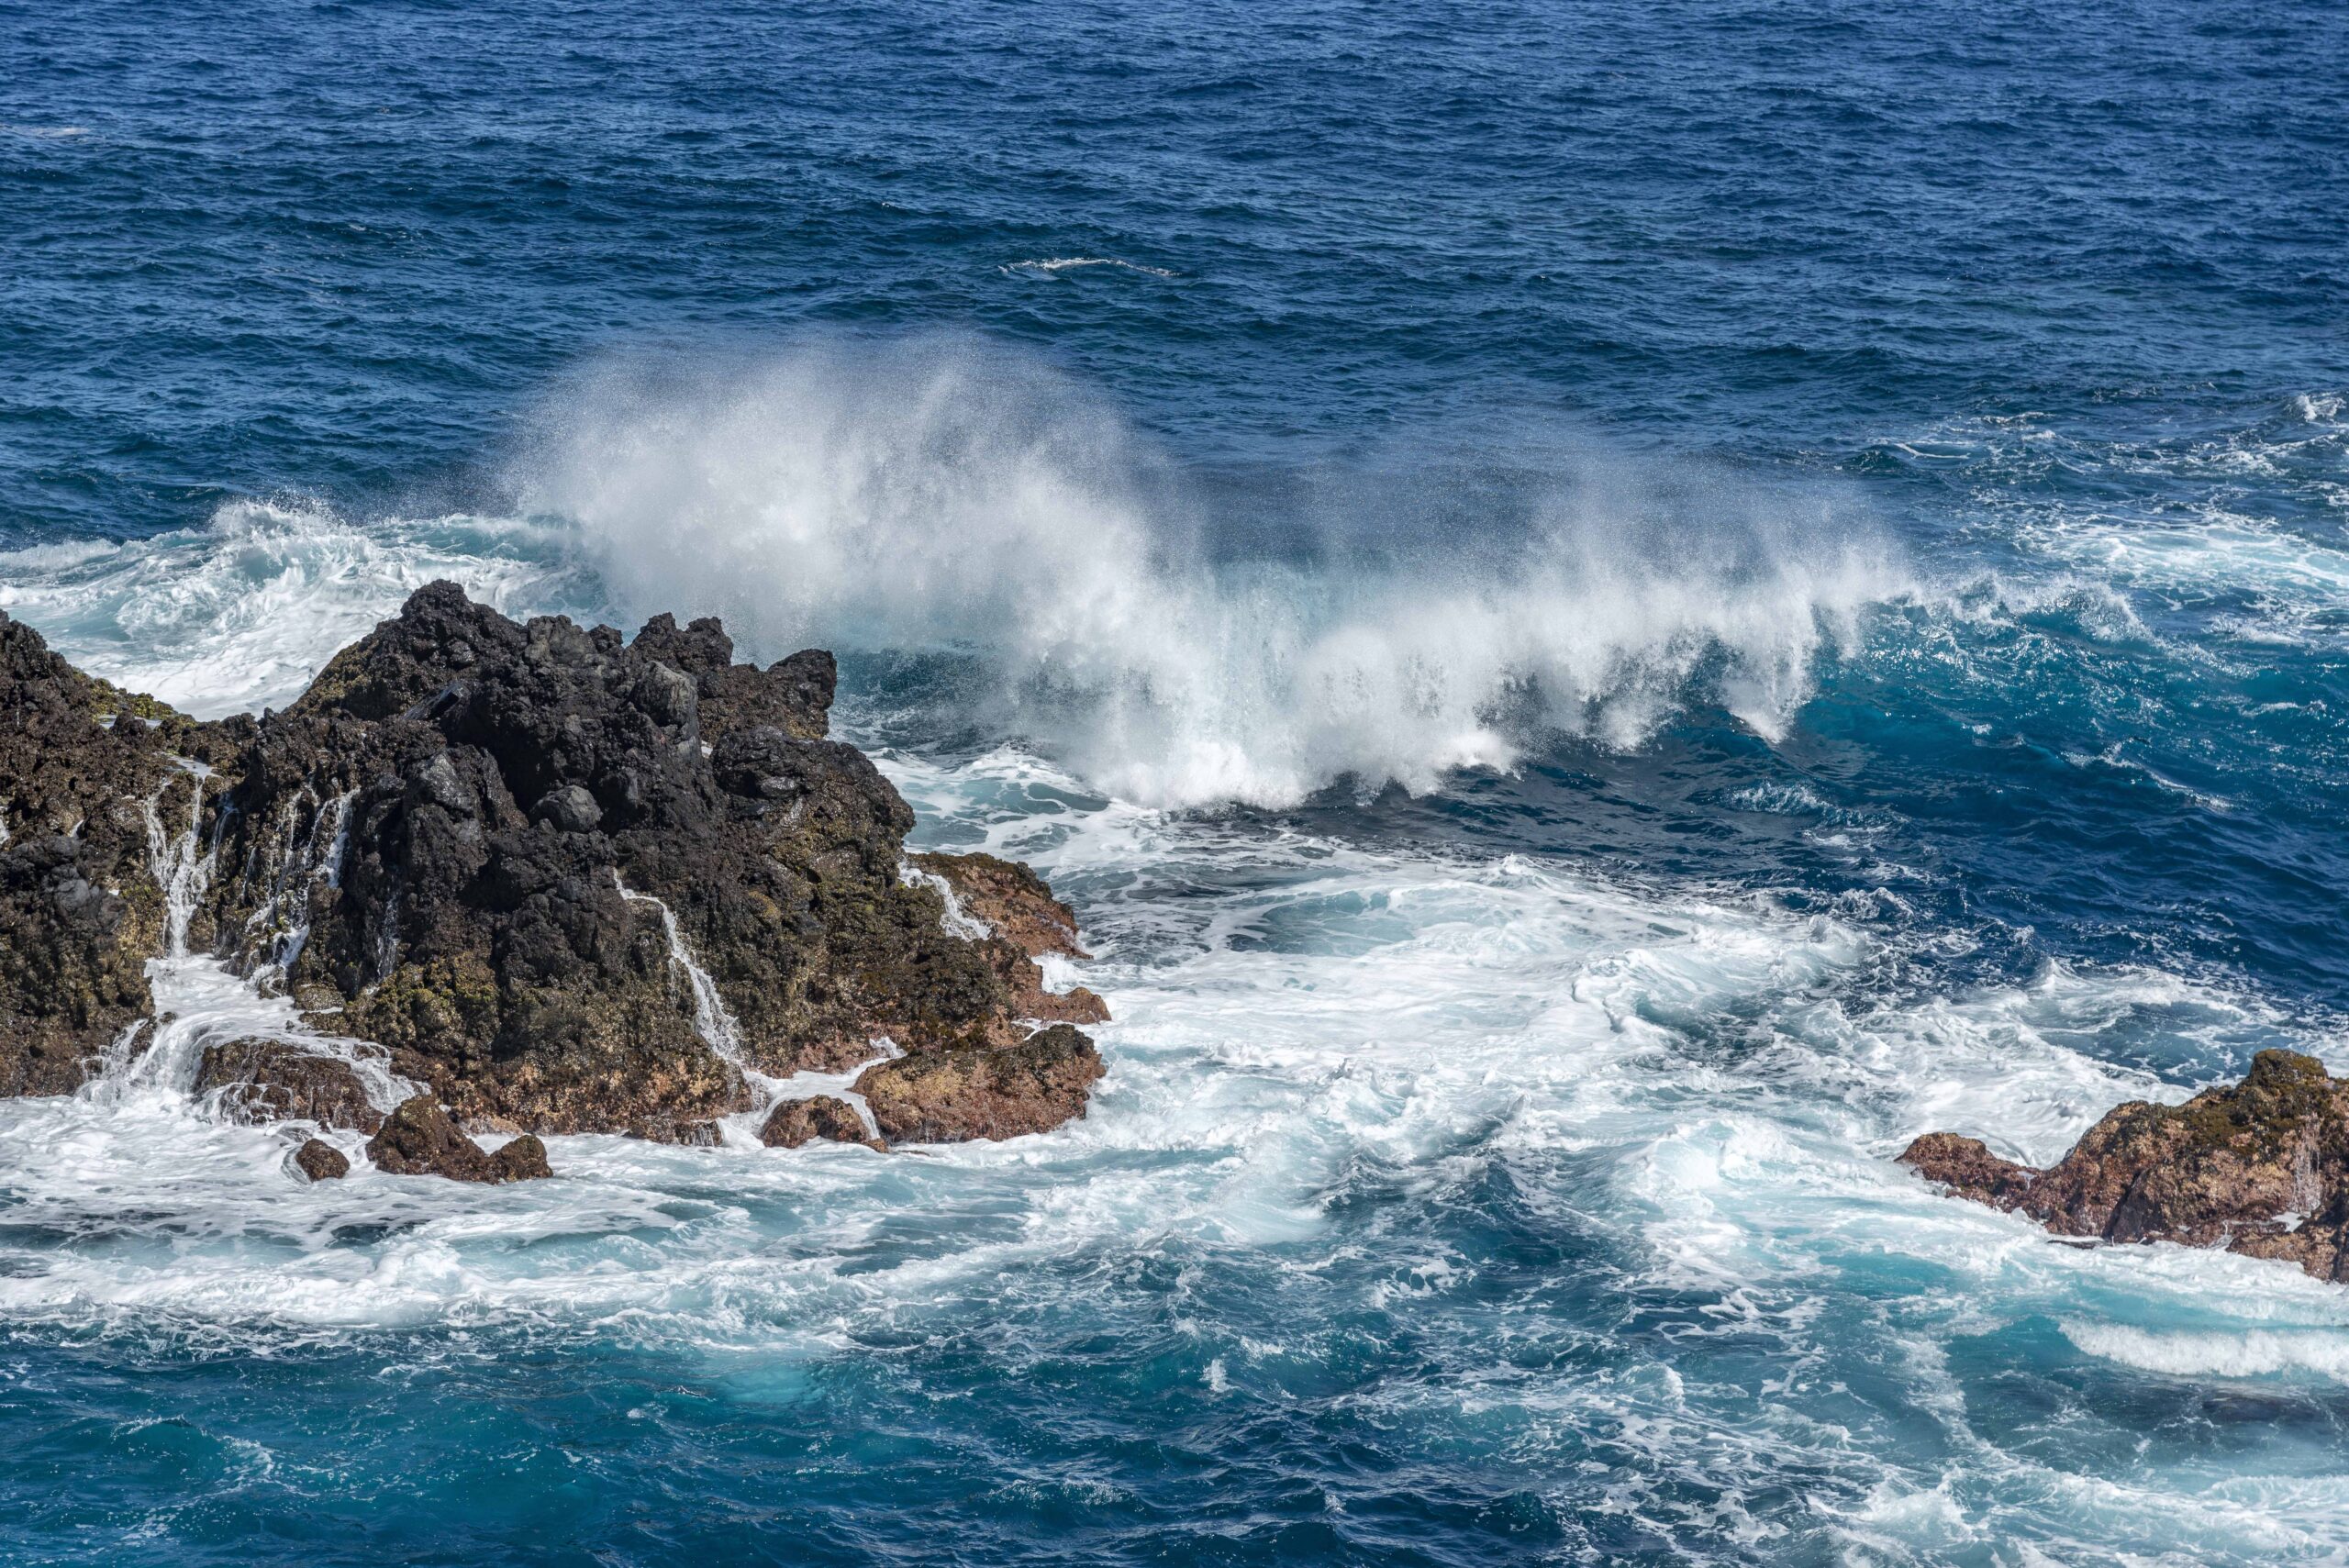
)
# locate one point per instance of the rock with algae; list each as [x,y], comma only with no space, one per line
[2260,1168]
[572,882]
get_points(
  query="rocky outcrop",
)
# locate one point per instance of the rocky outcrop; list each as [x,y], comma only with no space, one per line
[950,1096]
[569,883]
[418,1139]
[826,1117]
[83,769]
[1020,922]
[273,1080]
[2261,1168]
[321,1161]
[525,811]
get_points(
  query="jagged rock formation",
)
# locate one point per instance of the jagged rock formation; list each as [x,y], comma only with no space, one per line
[825,1116]
[1023,922]
[84,770]
[419,1139]
[952,1096]
[571,883]
[2261,1168]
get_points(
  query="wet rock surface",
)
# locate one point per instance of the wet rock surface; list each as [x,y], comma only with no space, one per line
[420,1139]
[1006,1092]
[822,1116]
[1024,922]
[570,882]
[80,912]
[270,1080]
[2261,1168]
[321,1161]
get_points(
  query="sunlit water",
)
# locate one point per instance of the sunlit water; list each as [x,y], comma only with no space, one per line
[1603,616]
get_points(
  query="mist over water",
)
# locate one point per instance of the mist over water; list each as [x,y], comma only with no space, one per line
[1605,615]
[944,496]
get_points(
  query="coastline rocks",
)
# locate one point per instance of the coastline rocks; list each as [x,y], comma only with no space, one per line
[419,1139]
[826,1117]
[541,827]
[321,1161]
[568,882]
[1023,922]
[271,1080]
[2261,1168]
[952,1096]
[81,766]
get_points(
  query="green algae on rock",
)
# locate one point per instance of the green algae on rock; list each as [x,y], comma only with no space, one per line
[2261,1168]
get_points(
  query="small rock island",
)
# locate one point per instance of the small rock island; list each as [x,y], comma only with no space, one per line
[539,878]
[2261,1168]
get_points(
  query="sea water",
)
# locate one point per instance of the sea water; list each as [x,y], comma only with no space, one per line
[1605,614]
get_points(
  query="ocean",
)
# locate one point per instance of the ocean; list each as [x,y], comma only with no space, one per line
[1606,613]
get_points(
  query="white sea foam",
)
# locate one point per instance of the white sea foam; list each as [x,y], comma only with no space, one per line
[946,499]
[241,613]
[2245,1352]
[1301,1021]
[1051,265]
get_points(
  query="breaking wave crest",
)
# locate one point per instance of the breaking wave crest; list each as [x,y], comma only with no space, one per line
[946,499]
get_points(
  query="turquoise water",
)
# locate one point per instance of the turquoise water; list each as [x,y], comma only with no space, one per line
[1605,615]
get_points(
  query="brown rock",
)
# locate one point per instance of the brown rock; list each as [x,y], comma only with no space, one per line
[1027,922]
[1967,1168]
[1011,898]
[686,1133]
[419,1139]
[273,1080]
[521,1159]
[950,1095]
[795,1122]
[2261,1168]
[321,1161]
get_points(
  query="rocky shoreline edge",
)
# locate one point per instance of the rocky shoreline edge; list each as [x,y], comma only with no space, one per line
[510,879]
[2260,1168]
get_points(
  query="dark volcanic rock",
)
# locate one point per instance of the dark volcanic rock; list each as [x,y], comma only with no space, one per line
[2261,1168]
[270,1080]
[795,1122]
[955,1096]
[419,1139]
[513,798]
[79,911]
[523,859]
[321,1161]
[795,696]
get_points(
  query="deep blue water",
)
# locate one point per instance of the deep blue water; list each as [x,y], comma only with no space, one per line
[1865,491]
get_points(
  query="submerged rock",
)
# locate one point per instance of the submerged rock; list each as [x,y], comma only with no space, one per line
[321,1161]
[273,1080]
[419,1139]
[828,1117]
[571,883]
[2261,1168]
[952,1096]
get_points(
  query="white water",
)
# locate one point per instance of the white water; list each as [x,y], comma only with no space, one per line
[945,498]
[1302,1022]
